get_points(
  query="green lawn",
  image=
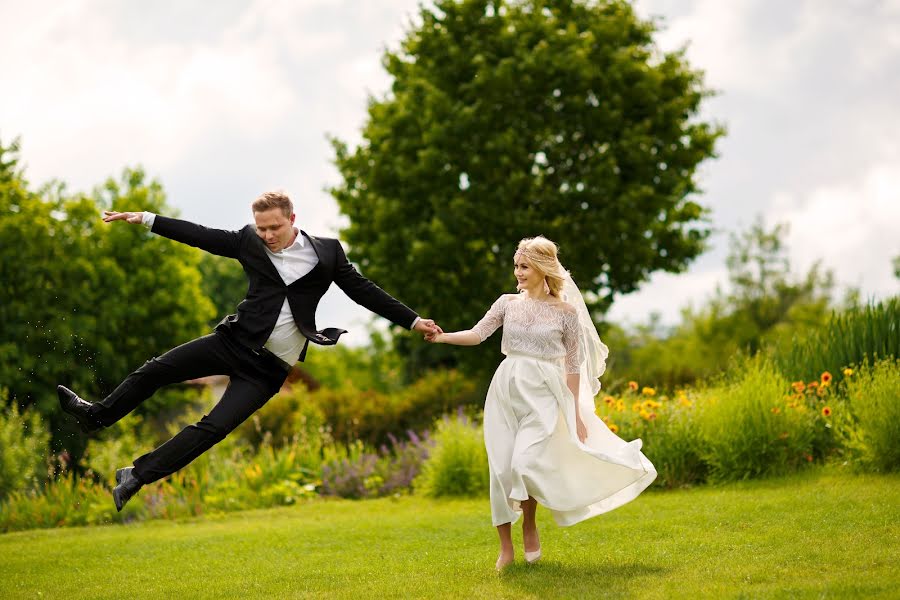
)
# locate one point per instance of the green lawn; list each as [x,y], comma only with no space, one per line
[820,534]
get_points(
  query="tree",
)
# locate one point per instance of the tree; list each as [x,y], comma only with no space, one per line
[763,309]
[511,119]
[224,282]
[83,303]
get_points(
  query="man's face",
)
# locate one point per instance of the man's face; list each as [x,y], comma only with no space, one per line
[275,229]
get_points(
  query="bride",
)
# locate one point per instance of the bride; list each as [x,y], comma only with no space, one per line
[544,443]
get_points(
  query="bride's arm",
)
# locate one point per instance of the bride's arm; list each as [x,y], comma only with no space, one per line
[457,338]
[488,324]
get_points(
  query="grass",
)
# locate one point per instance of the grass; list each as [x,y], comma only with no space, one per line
[821,534]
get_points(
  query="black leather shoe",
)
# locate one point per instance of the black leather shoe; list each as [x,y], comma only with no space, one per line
[78,408]
[128,487]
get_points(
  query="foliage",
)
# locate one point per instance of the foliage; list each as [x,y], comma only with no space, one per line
[749,429]
[667,429]
[286,415]
[376,367]
[23,449]
[368,415]
[764,308]
[223,281]
[355,471]
[849,337]
[508,119]
[874,392]
[84,303]
[458,464]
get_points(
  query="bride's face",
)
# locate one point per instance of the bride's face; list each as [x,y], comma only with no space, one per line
[528,277]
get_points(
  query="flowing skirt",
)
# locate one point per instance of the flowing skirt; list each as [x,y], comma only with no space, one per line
[533,450]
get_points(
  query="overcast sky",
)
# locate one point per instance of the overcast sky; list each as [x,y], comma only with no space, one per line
[220,101]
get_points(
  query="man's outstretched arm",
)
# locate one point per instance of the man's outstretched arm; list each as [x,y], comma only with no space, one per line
[215,241]
[367,294]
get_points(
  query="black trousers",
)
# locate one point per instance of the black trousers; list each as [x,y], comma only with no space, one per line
[254,379]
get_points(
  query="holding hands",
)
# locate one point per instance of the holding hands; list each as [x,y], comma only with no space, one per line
[428,327]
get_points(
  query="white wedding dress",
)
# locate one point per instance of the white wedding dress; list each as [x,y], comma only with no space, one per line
[529,420]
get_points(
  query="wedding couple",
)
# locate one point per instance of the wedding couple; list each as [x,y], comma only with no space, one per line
[545,445]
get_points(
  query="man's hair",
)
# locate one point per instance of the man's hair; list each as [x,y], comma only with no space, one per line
[270,200]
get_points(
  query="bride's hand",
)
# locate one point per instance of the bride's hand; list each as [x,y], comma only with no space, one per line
[580,429]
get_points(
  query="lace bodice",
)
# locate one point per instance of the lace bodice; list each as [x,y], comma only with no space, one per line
[534,327]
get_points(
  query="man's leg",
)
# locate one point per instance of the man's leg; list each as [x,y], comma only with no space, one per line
[197,358]
[242,398]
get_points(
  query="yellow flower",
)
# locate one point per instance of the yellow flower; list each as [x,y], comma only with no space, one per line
[614,428]
[826,411]
[633,386]
[848,372]
[683,401]
[636,407]
[644,415]
[609,400]
[798,386]
[648,391]
[620,405]
[776,410]
[826,378]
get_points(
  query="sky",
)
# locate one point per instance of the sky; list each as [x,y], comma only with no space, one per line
[221,101]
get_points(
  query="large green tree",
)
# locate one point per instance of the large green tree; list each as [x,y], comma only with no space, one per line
[511,119]
[83,302]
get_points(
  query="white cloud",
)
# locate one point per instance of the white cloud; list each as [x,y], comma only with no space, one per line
[220,101]
[854,228]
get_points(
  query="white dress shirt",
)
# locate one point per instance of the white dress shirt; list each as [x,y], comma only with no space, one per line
[286,342]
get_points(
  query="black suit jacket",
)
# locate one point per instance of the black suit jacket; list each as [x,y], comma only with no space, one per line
[257,313]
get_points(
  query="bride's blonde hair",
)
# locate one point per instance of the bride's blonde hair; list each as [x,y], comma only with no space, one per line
[541,254]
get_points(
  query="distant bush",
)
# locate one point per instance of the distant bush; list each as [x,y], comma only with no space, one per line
[458,464]
[369,415]
[355,471]
[24,443]
[874,400]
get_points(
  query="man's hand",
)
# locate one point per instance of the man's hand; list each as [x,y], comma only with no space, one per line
[427,327]
[132,217]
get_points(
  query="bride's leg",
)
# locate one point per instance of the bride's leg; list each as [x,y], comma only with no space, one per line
[529,527]
[507,554]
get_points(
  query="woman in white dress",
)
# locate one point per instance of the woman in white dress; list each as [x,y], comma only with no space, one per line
[545,445]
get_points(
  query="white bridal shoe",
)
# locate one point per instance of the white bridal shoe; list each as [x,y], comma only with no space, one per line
[533,557]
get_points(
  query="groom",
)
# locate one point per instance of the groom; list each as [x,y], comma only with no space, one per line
[288,271]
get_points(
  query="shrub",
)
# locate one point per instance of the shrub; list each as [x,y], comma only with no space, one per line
[355,471]
[874,400]
[24,443]
[667,428]
[371,416]
[747,427]
[458,463]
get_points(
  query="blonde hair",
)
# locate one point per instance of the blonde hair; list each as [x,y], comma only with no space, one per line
[541,254]
[270,200]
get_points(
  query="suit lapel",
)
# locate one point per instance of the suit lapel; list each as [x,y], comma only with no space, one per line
[319,247]
[261,259]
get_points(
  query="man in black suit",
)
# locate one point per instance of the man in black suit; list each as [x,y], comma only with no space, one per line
[288,272]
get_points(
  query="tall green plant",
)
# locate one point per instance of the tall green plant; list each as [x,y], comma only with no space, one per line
[23,449]
[874,393]
[850,337]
